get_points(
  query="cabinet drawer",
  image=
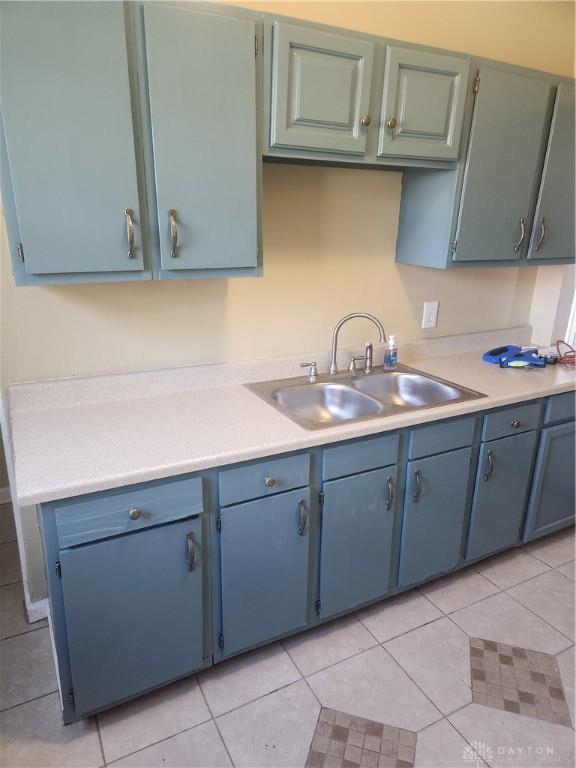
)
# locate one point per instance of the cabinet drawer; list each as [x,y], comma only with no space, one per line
[360,456]
[512,421]
[109,514]
[263,479]
[438,438]
[559,408]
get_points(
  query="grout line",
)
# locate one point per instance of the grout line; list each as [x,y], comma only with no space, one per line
[100,739]
[26,632]
[214,720]
[570,640]
[312,691]
[401,668]
[11,583]
[28,701]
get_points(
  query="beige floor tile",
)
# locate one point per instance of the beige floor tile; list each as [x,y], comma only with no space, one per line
[397,615]
[551,596]
[503,619]
[568,570]
[332,642]
[7,525]
[9,563]
[13,619]
[200,747]
[554,550]
[513,740]
[373,686]
[568,673]
[441,746]
[437,658]
[273,731]
[233,683]
[34,736]
[511,568]
[27,669]
[148,719]
[458,590]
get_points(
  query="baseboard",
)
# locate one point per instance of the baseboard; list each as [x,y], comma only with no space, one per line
[37,610]
[5,495]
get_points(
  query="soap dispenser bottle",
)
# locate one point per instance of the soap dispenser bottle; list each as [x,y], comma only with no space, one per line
[391,354]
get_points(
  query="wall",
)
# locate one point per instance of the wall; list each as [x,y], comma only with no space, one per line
[329,239]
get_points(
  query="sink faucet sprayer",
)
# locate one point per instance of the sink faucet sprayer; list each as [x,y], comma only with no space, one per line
[377,323]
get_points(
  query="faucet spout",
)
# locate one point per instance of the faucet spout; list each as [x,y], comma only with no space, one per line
[340,323]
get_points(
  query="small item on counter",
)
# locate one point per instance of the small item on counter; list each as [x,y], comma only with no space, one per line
[391,354]
[566,353]
[511,356]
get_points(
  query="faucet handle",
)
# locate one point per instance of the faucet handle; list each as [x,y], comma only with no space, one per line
[352,367]
[313,373]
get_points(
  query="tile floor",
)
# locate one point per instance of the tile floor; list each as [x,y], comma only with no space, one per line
[403,665]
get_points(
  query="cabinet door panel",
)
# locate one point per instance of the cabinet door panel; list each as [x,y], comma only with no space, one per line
[357,523]
[553,233]
[434,514]
[551,504]
[69,135]
[202,85]
[264,569]
[320,90]
[133,612]
[502,483]
[510,117]
[425,94]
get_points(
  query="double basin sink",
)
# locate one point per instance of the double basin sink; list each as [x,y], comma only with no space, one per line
[350,397]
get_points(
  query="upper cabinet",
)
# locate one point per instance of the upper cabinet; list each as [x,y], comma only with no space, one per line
[202,92]
[553,230]
[422,104]
[70,176]
[320,90]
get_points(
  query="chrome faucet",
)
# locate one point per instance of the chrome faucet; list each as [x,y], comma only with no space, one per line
[339,324]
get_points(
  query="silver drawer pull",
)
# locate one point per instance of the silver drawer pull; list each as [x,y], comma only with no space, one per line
[129,213]
[269,481]
[173,233]
[418,492]
[191,550]
[391,492]
[303,517]
[135,513]
[542,234]
[515,423]
[518,245]
[491,465]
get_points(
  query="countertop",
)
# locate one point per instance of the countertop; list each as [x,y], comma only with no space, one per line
[68,447]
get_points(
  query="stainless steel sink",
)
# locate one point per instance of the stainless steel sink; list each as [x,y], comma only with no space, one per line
[351,397]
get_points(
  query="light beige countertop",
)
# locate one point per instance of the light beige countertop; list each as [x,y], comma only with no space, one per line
[75,437]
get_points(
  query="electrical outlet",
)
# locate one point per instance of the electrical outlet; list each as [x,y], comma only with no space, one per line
[429,314]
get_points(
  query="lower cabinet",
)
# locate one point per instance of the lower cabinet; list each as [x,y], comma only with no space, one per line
[264,553]
[356,539]
[434,515]
[551,504]
[134,612]
[502,486]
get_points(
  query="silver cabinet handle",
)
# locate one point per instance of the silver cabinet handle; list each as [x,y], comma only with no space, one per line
[129,213]
[491,465]
[135,513]
[269,481]
[542,234]
[515,423]
[191,550]
[391,492]
[303,517]
[518,245]
[365,121]
[418,492]
[173,232]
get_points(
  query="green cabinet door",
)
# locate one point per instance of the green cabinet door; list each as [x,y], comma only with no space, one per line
[320,90]
[434,514]
[423,104]
[66,109]
[202,89]
[552,498]
[508,128]
[553,232]
[356,539]
[264,549]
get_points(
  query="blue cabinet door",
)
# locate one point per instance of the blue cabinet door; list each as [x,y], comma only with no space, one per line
[510,118]
[264,547]
[356,539]
[553,232]
[66,109]
[320,90]
[502,483]
[134,613]
[551,504]
[423,104]
[434,515]
[202,86]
